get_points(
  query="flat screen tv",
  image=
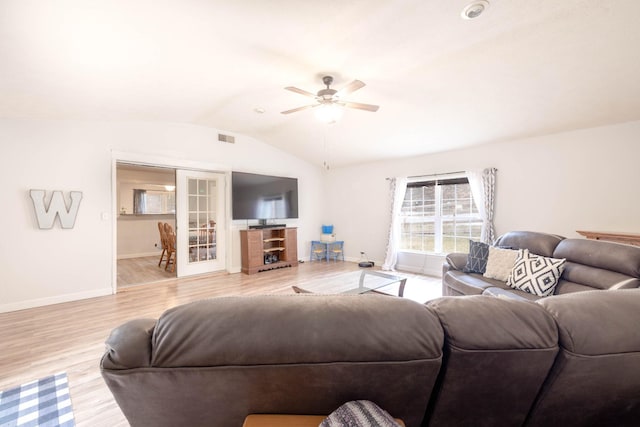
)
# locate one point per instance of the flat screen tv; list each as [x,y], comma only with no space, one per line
[263,196]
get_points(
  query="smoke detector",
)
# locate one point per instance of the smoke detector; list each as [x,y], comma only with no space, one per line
[475,9]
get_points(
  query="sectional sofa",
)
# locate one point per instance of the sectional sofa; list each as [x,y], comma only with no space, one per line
[570,360]
[589,265]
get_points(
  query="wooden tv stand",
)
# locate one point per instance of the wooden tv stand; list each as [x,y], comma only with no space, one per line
[261,247]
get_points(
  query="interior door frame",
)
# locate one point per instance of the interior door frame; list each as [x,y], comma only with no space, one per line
[148,159]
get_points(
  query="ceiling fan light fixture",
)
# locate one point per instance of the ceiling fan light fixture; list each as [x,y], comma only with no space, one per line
[474,9]
[329,101]
[328,113]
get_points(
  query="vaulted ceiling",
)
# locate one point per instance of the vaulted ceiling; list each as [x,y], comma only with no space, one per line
[523,68]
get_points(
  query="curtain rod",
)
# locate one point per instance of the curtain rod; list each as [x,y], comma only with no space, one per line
[433,174]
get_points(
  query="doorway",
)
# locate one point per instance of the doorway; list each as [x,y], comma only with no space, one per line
[192,202]
[146,196]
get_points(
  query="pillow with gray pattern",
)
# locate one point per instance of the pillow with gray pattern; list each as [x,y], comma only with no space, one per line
[359,413]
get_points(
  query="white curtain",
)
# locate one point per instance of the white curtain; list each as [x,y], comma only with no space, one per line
[397,188]
[139,201]
[483,183]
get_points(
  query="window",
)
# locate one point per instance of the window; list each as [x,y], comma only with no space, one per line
[146,202]
[439,216]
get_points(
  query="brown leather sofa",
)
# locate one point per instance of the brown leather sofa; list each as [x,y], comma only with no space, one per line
[456,361]
[591,264]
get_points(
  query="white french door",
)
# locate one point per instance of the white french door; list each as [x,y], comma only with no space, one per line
[200,222]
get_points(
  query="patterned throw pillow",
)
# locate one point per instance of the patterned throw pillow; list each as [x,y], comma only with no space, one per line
[359,413]
[536,274]
[500,263]
[477,258]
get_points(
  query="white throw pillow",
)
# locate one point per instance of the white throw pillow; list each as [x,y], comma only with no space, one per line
[500,263]
[536,274]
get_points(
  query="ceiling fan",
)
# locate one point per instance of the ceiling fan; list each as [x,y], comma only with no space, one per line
[330,96]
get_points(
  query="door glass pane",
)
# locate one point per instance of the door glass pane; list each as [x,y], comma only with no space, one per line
[202,214]
[193,186]
[202,187]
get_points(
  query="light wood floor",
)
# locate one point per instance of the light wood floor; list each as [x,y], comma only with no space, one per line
[136,271]
[70,337]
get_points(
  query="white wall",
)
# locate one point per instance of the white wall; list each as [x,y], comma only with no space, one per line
[560,183]
[138,235]
[49,266]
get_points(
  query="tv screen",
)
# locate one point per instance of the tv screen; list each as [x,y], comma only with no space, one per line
[263,196]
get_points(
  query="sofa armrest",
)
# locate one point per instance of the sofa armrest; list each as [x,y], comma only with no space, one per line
[456,260]
[129,346]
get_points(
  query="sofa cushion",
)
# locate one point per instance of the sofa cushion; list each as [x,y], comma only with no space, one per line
[509,294]
[538,243]
[595,379]
[203,333]
[500,263]
[456,260]
[522,325]
[535,274]
[469,283]
[498,353]
[610,315]
[477,259]
[624,259]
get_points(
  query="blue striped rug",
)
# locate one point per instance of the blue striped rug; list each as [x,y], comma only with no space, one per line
[42,403]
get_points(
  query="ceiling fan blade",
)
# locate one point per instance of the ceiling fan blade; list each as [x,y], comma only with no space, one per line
[297,109]
[300,91]
[359,106]
[351,87]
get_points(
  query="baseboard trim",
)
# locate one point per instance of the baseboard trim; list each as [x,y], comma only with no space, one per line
[140,255]
[418,270]
[58,299]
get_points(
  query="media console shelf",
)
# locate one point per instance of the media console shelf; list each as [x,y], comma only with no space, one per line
[265,249]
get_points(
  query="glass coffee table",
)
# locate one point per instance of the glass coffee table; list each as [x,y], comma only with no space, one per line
[357,282]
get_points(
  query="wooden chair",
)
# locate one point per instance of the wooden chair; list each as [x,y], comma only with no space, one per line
[163,242]
[171,247]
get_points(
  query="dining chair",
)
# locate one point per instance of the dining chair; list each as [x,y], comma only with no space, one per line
[163,242]
[171,247]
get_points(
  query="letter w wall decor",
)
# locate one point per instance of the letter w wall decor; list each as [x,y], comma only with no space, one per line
[46,215]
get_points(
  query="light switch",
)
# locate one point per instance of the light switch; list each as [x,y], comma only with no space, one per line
[105,216]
